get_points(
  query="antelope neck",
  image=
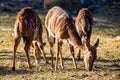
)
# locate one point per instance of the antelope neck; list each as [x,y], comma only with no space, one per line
[74,39]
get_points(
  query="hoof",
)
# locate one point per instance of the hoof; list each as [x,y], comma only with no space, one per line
[47,62]
[52,70]
[62,67]
[37,62]
[76,69]
[13,68]
[30,67]
[56,69]
[78,58]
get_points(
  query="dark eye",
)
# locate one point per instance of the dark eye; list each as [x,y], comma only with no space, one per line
[90,57]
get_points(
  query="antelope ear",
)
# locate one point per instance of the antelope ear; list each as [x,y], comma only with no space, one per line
[86,47]
[85,43]
[97,43]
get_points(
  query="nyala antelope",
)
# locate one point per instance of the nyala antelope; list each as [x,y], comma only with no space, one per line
[60,26]
[83,23]
[29,27]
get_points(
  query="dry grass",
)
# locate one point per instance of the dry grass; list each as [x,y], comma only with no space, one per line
[106,67]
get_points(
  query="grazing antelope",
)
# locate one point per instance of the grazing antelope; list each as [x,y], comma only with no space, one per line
[29,27]
[60,26]
[83,24]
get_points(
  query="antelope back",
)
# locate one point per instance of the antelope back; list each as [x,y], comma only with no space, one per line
[28,24]
[84,22]
[58,21]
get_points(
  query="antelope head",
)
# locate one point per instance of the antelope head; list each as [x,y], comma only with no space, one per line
[90,54]
[38,50]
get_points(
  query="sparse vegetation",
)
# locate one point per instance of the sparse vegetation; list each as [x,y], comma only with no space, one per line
[106,67]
